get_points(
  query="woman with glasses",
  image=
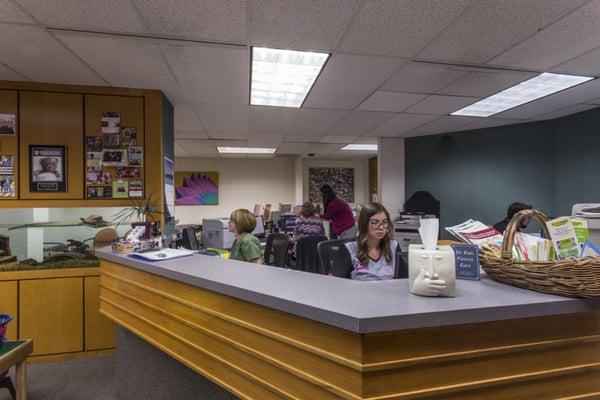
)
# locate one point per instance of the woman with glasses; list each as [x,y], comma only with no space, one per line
[374,251]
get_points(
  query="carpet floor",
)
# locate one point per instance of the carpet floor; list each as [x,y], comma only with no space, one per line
[81,379]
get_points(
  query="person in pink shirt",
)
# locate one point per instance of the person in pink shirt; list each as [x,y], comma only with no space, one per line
[338,212]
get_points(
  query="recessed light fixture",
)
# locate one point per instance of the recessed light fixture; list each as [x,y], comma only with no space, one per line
[369,147]
[532,89]
[283,77]
[246,150]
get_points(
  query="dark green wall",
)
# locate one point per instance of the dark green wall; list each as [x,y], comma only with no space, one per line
[477,174]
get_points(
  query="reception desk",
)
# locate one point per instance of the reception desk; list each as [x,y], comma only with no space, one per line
[268,333]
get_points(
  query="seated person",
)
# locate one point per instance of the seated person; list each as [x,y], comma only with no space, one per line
[374,251]
[246,246]
[307,225]
[512,210]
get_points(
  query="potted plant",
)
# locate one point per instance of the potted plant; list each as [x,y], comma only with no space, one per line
[142,212]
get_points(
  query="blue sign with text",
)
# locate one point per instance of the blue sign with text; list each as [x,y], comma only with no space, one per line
[466,257]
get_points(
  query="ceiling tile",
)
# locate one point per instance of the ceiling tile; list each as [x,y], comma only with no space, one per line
[108,15]
[323,148]
[144,66]
[351,155]
[587,64]
[366,140]
[338,139]
[293,148]
[228,135]
[577,108]
[301,138]
[10,12]
[316,122]
[7,74]
[261,156]
[390,101]
[360,122]
[491,122]
[399,27]
[211,74]
[180,151]
[570,37]
[578,94]
[292,24]
[41,57]
[484,84]
[229,143]
[348,79]
[447,123]
[422,78]
[223,117]
[441,105]
[400,124]
[272,119]
[185,118]
[214,20]
[199,148]
[491,27]
[264,140]
[191,135]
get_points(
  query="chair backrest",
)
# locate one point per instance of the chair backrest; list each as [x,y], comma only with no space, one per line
[424,202]
[401,265]
[105,237]
[276,249]
[307,257]
[334,258]
[188,239]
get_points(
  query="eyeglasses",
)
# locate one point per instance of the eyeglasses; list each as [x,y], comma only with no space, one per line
[373,223]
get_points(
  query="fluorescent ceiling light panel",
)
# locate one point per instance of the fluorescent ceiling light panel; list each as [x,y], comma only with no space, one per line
[369,147]
[283,77]
[246,150]
[532,89]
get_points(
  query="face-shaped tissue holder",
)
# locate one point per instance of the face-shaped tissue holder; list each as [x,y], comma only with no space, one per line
[431,272]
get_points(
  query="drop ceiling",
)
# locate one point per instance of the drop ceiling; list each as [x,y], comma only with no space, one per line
[398,67]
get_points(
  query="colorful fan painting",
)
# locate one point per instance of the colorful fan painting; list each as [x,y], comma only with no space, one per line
[196,188]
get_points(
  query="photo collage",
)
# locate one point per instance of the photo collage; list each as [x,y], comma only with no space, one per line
[114,161]
[7,176]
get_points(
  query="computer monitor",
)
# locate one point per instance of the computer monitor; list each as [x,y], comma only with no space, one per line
[260,227]
[188,239]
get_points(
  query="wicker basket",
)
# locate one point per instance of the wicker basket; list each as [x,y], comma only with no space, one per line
[572,278]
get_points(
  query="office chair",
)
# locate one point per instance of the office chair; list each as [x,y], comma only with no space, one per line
[276,250]
[307,256]
[401,265]
[188,239]
[334,258]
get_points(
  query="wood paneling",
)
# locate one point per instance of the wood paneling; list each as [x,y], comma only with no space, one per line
[99,330]
[257,352]
[130,108]
[8,305]
[48,273]
[52,119]
[51,313]
[9,145]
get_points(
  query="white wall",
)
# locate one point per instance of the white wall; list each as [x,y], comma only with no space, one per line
[361,176]
[242,184]
[390,167]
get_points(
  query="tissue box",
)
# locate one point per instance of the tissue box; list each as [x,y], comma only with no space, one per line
[431,272]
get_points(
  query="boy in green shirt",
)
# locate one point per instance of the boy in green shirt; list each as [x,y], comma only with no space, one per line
[246,246]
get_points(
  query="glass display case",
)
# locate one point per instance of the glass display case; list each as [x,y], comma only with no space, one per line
[40,233]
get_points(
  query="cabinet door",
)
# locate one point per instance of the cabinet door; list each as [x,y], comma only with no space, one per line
[99,330]
[52,119]
[51,313]
[8,305]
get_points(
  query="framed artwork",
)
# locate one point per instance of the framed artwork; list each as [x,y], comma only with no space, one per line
[47,168]
[340,179]
[8,124]
[196,188]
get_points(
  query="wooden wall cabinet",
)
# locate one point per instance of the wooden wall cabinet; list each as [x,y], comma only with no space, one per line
[8,305]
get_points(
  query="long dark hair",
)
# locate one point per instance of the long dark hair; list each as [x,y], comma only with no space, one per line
[366,213]
[328,195]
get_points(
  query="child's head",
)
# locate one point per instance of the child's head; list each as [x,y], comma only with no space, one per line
[242,221]
[308,209]
[374,224]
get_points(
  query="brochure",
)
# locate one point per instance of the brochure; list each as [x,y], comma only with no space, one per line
[564,238]
[161,255]
[581,230]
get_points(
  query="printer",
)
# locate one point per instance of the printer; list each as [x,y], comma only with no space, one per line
[591,213]
[406,230]
[215,233]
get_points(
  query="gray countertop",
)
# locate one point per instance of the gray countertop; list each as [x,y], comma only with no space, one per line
[360,307]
